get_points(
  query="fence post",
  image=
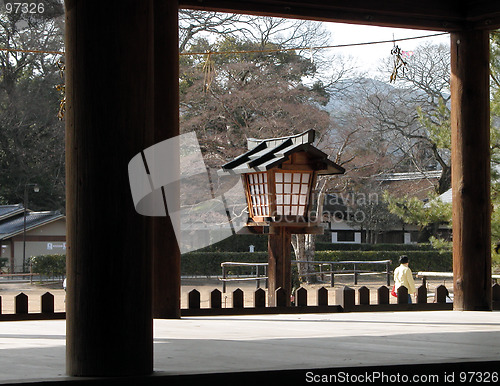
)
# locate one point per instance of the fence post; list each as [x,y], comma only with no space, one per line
[194,299]
[355,275]
[402,295]
[332,278]
[422,294]
[223,277]
[383,295]
[215,299]
[281,300]
[47,305]
[21,304]
[238,298]
[301,297]
[345,296]
[495,292]
[387,269]
[259,298]
[322,297]
[364,295]
[257,285]
[441,293]
[0,305]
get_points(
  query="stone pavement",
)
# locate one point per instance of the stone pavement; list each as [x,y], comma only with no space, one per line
[35,350]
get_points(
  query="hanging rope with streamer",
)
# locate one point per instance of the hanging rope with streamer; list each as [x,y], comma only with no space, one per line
[62,89]
[209,72]
[399,63]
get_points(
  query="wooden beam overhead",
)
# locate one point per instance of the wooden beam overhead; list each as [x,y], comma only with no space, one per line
[444,15]
[437,15]
[483,14]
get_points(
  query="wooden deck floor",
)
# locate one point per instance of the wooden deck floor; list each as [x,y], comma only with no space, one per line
[258,346]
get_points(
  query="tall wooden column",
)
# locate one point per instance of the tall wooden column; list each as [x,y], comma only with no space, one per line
[166,254]
[109,119]
[279,268]
[470,124]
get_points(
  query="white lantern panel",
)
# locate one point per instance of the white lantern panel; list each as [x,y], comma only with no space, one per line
[259,194]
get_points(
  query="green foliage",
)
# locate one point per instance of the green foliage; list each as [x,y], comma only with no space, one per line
[440,244]
[31,136]
[437,124]
[49,265]
[419,260]
[3,263]
[208,263]
[415,211]
[495,141]
[325,246]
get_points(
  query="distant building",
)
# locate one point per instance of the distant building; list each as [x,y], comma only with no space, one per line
[337,211]
[45,234]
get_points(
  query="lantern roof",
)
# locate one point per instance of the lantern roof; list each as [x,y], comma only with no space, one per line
[265,154]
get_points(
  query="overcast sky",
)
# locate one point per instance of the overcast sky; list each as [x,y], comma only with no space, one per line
[368,57]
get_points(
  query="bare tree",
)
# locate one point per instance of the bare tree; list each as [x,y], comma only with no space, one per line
[285,33]
[413,118]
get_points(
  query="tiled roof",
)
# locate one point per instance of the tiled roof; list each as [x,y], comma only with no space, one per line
[14,225]
[10,210]
[268,153]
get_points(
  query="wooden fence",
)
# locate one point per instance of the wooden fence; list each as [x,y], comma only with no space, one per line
[21,309]
[345,302]
[345,299]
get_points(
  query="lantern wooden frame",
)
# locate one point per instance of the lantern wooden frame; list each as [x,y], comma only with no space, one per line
[278,175]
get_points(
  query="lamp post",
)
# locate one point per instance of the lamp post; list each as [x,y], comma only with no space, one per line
[279,175]
[36,189]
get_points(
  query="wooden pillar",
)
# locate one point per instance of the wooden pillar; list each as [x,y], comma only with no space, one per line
[109,119]
[166,254]
[279,268]
[470,125]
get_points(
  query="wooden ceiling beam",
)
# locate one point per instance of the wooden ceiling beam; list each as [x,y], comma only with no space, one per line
[434,15]
[483,14]
[437,15]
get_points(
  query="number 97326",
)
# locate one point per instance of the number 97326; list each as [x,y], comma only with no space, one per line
[31,8]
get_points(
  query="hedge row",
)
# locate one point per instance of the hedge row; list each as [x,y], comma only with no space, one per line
[208,263]
[419,260]
[241,243]
[325,246]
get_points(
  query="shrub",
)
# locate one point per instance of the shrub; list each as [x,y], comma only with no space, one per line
[49,265]
[208,263]
[325,246]
[419,260]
